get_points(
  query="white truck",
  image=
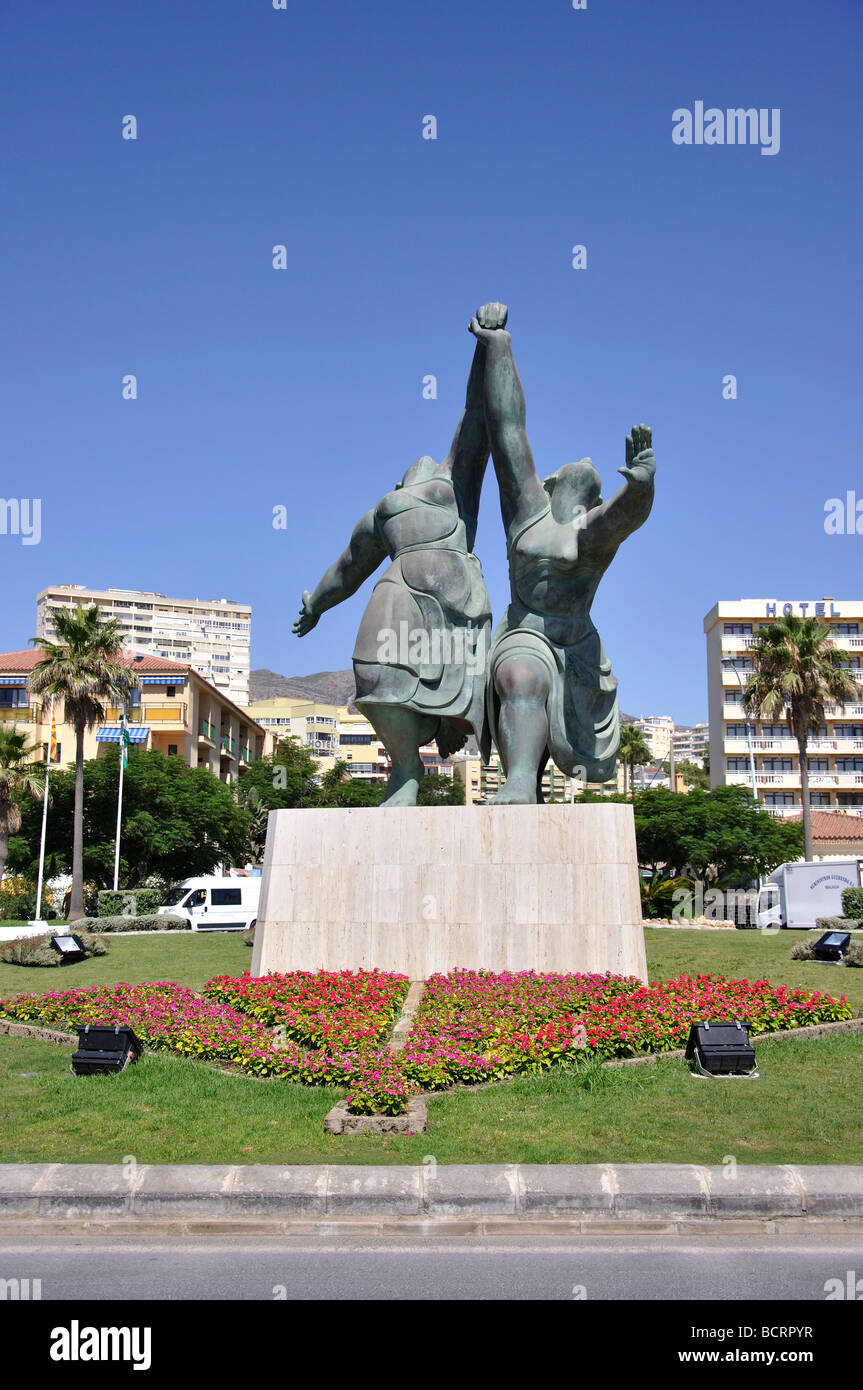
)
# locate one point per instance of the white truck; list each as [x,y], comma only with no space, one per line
[794,895]
[215,904]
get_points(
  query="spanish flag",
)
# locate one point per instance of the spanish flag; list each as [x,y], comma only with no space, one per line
[52,746]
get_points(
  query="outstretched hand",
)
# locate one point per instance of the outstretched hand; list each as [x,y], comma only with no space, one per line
[489,321]
[308,617]
[640,461]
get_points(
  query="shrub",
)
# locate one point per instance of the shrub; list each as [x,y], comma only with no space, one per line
[129,902]
[37,950]
[121,924]
[854,954]
[803,951]
[852,902]
[836,924]
[21,907]
[249,937]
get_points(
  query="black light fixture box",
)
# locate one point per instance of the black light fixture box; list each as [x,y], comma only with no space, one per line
[70,947]
[832,945]
[102,1048]
[721,1048]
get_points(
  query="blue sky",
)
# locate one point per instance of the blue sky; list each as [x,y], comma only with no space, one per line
[303,387]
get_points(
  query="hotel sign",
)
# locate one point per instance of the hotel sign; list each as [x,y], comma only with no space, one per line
[820,609]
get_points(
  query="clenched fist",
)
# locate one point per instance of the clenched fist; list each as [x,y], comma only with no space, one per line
[489,319]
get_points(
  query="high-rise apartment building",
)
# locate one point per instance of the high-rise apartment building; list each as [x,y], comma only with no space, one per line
[658,730]
[691,743]
[835,752]
[212,635]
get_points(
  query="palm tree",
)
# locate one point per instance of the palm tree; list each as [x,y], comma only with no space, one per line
[633,752]
[20,775]
[796,672]
[84,666]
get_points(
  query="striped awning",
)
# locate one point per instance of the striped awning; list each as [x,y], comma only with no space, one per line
[13,680]
[137,734]
[178,679]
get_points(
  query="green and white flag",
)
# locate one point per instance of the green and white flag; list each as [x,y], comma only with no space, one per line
[124,739]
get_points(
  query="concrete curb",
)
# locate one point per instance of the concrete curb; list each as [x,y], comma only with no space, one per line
[612,1194]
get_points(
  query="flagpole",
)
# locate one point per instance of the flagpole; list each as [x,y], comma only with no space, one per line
[120,798]
[38,912]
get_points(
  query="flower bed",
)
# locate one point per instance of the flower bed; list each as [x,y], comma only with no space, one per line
[474,1026]
[471,1026]
[342,1010]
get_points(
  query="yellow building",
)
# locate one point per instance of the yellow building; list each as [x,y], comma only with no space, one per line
[171,709]
[331,733]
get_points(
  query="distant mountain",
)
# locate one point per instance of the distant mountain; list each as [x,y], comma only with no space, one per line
[327,687]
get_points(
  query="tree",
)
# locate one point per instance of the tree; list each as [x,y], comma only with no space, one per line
[339,788]
[796,672]
[633,752]
[721,836]
[692,774]
[436,790]
[283,779]
[82,666]
[20,776]
[178,821]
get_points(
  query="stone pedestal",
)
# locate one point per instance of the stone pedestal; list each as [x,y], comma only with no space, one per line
[425,889]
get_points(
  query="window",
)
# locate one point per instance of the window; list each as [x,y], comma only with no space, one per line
[819,798]
[226,897]
[735,731]
[845,629]
[355,739]
[738,765]
[14,697]
[732,697]
[818,764]
[775,731]
[170,691]
[778,798]
[850,798]
[172,750]
[777,765]
[738,629]
[849,764]
[740,663]
[848,730]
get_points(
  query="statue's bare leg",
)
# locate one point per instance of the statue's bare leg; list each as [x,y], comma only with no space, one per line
[522,687]
[402,732]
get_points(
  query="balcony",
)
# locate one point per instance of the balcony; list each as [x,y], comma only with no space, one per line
[165,714]
[19,714]
[245,755]
[228,747]
[207,732]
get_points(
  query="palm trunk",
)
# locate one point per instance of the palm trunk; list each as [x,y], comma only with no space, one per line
[76,902]
[4,852]
[804,800]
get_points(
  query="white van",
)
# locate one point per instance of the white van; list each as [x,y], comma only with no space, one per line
[215,904]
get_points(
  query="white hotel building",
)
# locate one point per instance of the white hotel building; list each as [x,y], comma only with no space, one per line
[211,635]
[835,752]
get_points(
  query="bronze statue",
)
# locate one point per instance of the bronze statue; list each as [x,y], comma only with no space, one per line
[421,651]
[551,691]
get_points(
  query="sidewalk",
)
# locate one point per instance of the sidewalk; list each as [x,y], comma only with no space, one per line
[585,1196]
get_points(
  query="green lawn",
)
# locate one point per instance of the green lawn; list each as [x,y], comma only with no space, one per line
[804,1109]
[191,959]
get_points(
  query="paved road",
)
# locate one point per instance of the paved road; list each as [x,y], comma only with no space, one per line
[513,1267]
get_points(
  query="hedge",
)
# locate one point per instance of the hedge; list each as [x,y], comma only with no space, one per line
[852,902]
[837,924]
[129,902]
[121,924]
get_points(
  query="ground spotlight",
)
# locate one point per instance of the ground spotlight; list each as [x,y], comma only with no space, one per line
[104,1049]
[721,1048]
[71,948]
[832,946]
